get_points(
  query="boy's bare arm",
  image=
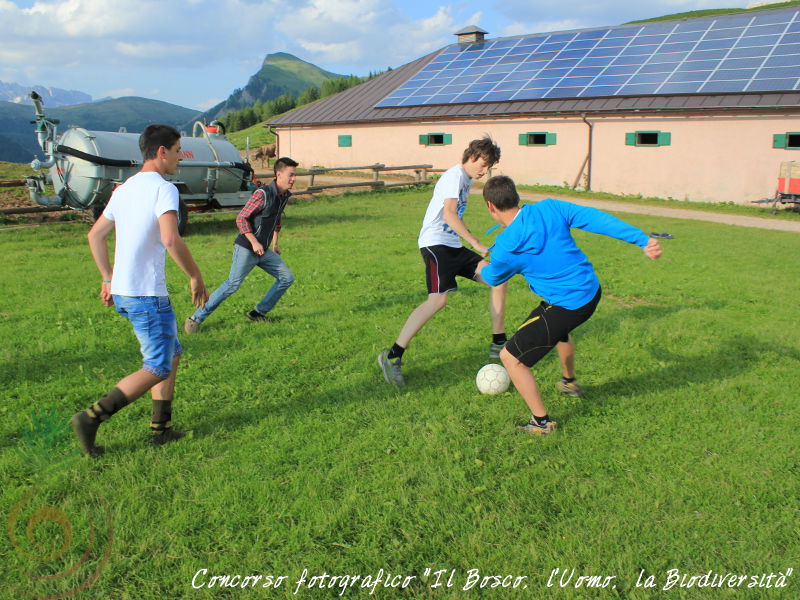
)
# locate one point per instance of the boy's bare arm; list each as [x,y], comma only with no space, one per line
[456,224]
[168,224]
[97,244]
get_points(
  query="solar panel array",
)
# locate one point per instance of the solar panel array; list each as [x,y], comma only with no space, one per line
[754,52]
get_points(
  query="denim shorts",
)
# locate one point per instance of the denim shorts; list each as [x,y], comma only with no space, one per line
[156,329]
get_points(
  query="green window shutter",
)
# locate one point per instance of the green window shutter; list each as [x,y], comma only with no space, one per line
[345,141]
[423,139]
[664,138]
[630,139]
[779,140]
[448,138]
[549,139]
[523,139]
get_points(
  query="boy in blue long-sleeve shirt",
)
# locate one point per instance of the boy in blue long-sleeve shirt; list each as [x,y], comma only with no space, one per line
[538,245]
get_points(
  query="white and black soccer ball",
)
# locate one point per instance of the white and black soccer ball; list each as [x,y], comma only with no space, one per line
[492,379]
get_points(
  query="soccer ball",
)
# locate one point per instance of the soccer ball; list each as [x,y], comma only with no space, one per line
[492,379]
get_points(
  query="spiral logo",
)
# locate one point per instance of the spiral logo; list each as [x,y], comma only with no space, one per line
[75,548]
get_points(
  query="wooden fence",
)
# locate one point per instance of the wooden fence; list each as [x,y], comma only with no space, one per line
[420,177]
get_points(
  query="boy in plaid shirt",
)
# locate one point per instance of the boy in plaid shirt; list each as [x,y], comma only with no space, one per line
[259,224]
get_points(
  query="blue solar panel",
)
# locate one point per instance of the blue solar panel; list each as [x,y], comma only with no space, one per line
[726,54]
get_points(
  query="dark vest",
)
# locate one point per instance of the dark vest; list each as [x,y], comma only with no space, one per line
[263,223]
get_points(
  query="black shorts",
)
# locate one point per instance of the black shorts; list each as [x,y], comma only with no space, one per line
[443,263]
[547,325]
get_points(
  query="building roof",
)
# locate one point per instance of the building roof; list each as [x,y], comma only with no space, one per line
[470,29]
[367,102]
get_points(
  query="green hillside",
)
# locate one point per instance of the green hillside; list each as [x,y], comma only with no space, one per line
[280,74]
[131,112]
[18,139]
[713,12]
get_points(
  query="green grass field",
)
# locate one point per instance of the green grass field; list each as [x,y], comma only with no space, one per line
[683,454]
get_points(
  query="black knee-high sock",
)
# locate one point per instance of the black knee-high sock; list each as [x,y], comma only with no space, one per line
[86,422]
[113,402]
[161,419]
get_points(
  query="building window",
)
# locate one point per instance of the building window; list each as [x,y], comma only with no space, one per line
[648,138]
[345,141]
[789,140]
[435,139]
[537,138]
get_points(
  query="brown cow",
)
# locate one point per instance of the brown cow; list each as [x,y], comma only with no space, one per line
[266,151]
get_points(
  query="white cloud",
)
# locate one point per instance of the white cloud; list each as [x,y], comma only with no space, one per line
[155,50]
[119,92]
[209,103]
[520,28]
[537,13]
[370,33]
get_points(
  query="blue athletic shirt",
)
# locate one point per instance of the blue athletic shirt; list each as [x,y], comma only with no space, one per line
[538,245]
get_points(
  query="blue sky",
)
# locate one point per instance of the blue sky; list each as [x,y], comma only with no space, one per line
[196,52]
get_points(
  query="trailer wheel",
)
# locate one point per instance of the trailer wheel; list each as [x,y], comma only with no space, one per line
[183,217]
[91,214]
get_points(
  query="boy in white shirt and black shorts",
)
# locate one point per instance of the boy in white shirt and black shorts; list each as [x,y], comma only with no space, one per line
[446,258]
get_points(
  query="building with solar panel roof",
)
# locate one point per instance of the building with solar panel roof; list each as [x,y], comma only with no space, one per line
[702,109]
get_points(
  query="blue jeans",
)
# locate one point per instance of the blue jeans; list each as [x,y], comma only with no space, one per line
[156,329]
[243,262]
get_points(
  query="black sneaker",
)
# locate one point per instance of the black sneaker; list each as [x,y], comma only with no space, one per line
[255,316]
[535,428]
[160,438]
[85,430]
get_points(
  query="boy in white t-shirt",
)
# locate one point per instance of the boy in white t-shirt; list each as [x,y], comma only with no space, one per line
[143,212]
[445,257]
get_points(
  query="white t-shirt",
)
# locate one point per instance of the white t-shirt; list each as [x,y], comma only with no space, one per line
[454,183]
[139,256]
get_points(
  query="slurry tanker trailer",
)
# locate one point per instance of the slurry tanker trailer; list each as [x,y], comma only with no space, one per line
[85,167]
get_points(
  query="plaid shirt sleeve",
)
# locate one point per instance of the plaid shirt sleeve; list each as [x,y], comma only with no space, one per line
[254,204]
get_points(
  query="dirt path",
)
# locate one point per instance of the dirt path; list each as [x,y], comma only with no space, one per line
[676,213]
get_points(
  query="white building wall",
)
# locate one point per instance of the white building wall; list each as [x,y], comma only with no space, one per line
[713,158]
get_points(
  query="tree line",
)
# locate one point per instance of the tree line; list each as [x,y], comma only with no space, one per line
[262,111]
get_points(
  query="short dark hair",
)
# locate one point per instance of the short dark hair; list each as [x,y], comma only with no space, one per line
[156,135]
[283,162]
[484,148]
[501,192]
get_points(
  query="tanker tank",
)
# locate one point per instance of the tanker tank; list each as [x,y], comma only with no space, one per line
[85,166]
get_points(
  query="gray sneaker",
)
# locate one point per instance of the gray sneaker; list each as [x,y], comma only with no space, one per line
[571,389]
[495,349]
[191,326]
[391,369]
[534,428]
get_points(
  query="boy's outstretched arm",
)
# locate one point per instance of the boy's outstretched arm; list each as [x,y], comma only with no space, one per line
[450,215]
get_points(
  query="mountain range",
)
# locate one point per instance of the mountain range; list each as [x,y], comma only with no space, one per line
[18,137]
[280,74]
[19,94]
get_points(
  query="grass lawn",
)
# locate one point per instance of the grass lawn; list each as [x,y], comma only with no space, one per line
[683,455]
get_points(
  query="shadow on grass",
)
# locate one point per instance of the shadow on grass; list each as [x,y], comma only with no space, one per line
[732,357]
[218,225]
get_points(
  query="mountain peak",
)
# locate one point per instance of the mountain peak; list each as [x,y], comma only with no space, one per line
[279,57]
[280,73]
